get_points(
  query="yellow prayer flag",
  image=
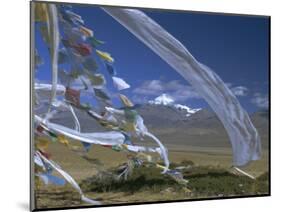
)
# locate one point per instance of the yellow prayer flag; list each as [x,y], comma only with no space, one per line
[129,127]
[87,32]
[42,143]
[126,101]
[63,140]
[105,56]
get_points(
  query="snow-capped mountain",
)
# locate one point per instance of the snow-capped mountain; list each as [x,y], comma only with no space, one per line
[163,99]
[188,110]
[167,100]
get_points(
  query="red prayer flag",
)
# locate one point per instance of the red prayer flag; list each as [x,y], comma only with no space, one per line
[83,49]
[73,96]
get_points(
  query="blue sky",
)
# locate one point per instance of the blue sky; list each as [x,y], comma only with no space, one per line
[235,47]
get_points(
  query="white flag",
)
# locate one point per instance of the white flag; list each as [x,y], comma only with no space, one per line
[120,84]
[244,138]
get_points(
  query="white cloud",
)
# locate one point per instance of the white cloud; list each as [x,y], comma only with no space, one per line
[240,91]
[151,87]
[174,88]
[260,100]
[139,99]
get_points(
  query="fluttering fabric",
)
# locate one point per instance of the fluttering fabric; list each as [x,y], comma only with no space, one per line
[67,177]
[120,84]
[45,89]
[244,138]
[53,37]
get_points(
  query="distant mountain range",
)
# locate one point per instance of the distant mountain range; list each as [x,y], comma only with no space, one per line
[173,124]
[166,121]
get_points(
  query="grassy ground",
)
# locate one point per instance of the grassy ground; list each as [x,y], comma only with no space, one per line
[209,176]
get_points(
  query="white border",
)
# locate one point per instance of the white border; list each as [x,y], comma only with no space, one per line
[14,89]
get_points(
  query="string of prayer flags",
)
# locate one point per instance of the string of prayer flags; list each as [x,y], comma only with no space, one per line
[77,65]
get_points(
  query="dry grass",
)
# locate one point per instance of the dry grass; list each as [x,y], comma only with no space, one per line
[209,177]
